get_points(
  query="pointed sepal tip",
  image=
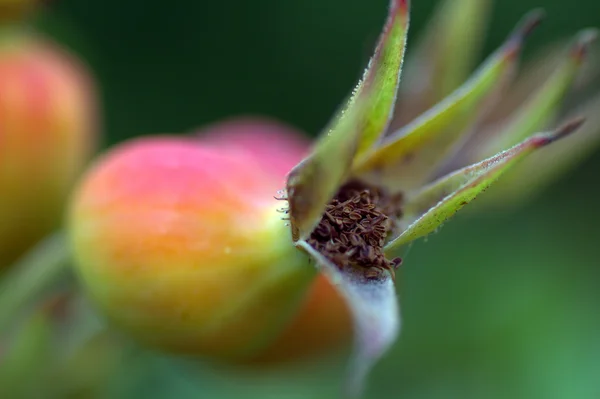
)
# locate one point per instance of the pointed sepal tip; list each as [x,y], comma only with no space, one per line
[562,132]
[524,29]
[584,40]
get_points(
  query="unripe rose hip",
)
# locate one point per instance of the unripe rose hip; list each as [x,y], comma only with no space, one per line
[180,244]
[47,132]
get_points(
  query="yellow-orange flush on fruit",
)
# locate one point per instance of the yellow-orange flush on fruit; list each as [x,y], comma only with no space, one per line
[179,242]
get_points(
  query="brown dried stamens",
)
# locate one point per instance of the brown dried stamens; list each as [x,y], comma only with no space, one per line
[355,226]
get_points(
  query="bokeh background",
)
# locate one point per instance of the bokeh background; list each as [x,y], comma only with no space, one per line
[500,305]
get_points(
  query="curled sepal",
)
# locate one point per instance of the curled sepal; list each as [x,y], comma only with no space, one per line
[408,157]
[374,307]
[443,57]
[313,182]
[383,74]
[427,209]
[545,166]
[541,107]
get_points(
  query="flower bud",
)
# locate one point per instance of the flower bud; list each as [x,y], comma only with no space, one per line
[47,123]
[178,241]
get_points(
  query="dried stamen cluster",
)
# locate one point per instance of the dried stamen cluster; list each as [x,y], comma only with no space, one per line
[355,226]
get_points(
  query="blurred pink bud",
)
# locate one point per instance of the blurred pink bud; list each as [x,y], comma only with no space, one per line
[47,133]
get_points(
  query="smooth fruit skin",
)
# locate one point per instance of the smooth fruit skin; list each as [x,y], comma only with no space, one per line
[47,133]
[322,324]
[178,242]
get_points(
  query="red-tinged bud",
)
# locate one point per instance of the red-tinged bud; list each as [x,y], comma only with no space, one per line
[180,243]
[47,133]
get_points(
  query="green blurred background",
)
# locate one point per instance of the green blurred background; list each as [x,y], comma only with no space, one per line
[501,305]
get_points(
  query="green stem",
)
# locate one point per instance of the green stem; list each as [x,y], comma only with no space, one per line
[30,275]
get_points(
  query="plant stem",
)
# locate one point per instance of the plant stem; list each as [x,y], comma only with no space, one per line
[30,275]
